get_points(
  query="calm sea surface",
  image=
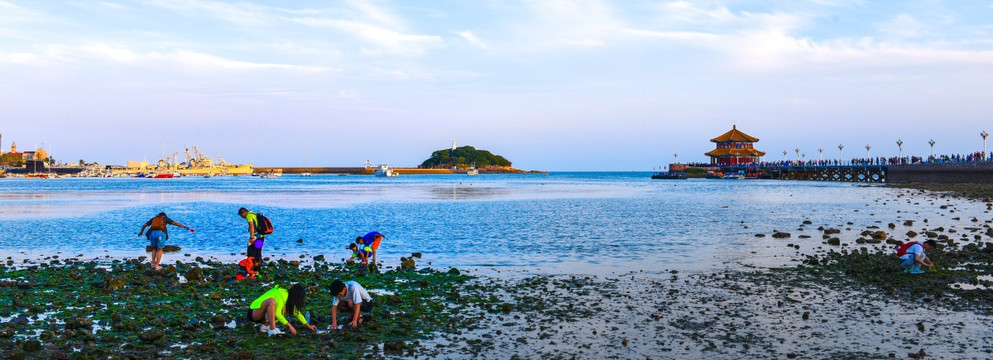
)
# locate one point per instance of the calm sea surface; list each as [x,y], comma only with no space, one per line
[590,222]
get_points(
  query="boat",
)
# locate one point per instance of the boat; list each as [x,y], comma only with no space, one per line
[384,171]
[725,176]
[196,164]
[669,175]
[472,171]
[306,174]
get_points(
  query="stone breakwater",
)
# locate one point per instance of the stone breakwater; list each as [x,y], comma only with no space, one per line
[958,173]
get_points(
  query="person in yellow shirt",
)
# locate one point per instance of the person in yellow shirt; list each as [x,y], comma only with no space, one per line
[274,303]
[255,239]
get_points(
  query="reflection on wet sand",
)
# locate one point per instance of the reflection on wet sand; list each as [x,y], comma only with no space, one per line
[467,192]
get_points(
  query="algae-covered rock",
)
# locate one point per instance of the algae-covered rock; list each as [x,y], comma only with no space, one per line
[79,323]
[394,346]
[319,258]
[780,235]
[151,335]
[194,275]
[116,283]
[170,248]
[31,346]
[832,231]
[407,264]
[454,271]
[834,241]
[416,255]
[879,235]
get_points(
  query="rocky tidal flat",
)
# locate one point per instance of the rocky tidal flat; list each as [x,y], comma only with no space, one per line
[837,293]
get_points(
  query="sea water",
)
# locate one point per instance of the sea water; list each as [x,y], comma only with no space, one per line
[590,222]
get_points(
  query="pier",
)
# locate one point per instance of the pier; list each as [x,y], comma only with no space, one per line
[977,172]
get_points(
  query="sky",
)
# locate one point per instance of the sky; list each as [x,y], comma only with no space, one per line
[558,85]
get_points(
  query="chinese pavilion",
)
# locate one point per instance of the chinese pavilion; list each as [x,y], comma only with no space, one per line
[734,148]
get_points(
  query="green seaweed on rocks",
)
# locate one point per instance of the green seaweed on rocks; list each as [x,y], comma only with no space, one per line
[197,310]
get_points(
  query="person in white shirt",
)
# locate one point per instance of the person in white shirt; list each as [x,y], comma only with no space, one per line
[350,297]
[915,257]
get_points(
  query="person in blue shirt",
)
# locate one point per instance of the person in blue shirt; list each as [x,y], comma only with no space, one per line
[371,240]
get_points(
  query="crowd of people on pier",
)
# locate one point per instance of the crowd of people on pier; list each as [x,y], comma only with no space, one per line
[871,161]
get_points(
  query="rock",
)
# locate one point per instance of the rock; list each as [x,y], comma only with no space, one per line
[759,235]
[407,264]
[416,255]
[20,320]
[6,333]
[79,323]
[454,271]
[394,346]
[319,258]
[300,240]
[879,235]
[781,235]
[216,296]
[171,248]
[931,234]
[194,275]
[151,335]
[31,346]
[24,285]
[294,263]
[834,241]
[920,327]
[806,315]
[912,233]
[908,223]
[832,231]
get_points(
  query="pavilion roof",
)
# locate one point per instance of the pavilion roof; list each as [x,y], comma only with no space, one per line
[734,135]
[735,152]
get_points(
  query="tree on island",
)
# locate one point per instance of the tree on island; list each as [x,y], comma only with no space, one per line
[463,157]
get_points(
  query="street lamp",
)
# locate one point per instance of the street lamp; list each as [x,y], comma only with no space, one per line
[784,155]
[840,147]
[932,147]
[803,157]
[797,153]
[867,147]
[821,151]
[899,145]
[984,134]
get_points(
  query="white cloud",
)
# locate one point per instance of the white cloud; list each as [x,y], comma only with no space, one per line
[471,38]
[241,13]
[381,39]
[903,25]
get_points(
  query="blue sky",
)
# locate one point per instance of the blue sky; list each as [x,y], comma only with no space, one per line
[550,85]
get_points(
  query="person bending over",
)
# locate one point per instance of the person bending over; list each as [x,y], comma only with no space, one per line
[349,297]
[276,302]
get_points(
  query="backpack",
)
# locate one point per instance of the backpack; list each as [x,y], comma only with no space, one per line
[902,250]
[262,224]
[158,223]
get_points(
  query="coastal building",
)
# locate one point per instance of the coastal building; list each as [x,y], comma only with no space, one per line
[734,148]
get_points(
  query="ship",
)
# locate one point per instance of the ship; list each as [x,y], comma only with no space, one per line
[384,171]
[195,164]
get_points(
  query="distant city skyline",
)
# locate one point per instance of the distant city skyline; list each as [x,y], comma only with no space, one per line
[551,85]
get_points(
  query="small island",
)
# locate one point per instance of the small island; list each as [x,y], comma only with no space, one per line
[467,157]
